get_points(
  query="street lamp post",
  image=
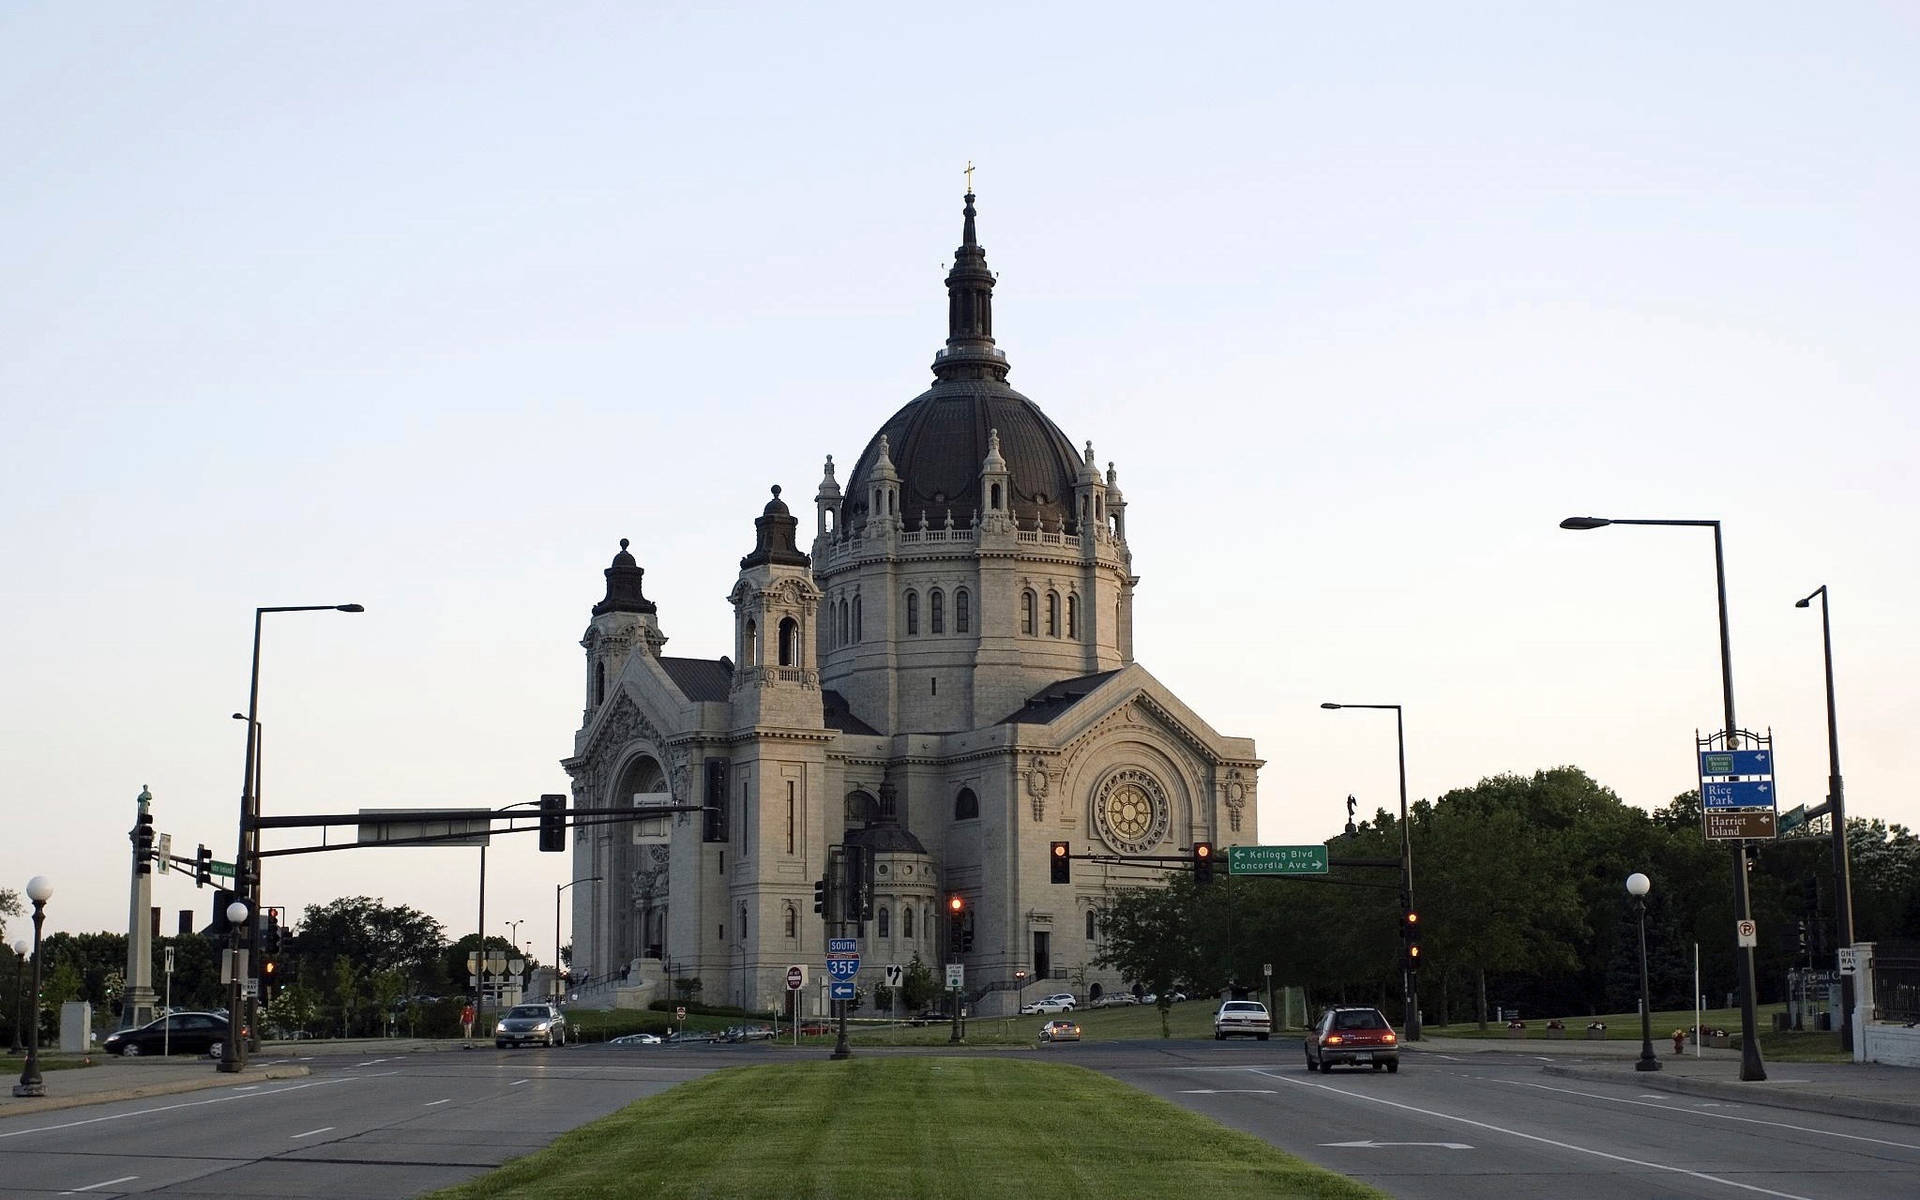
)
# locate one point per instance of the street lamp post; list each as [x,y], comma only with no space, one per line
[39,889]
[19,976]
[1409,976]
[1837,818]
[1637,886]
[1751,1068]
[246,863]
[232,1050]
[559,991]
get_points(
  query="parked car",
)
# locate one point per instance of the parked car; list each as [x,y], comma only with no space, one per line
[1060,1031]
[635,1039]
[1114,1000]
[1049,1005]
[1360,1037]
[1242,1017]
[175,1033]
[531,1023]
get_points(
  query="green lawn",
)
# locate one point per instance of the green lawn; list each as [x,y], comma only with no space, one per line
[906,1129]
[1620,1026]
[1191,1019]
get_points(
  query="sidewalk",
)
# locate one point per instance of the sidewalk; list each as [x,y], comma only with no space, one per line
[1871,1092]
[130,1079]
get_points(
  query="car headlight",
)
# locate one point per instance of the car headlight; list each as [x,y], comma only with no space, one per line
[541,1027]
[500,1028]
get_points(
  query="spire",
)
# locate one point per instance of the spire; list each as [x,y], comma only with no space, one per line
[970,353]
[623,586]
[774,536]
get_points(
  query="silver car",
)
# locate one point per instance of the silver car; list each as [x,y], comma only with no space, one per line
[541,1023]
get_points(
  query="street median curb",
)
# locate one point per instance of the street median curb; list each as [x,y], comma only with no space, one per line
[27,1106]
[1896,1112]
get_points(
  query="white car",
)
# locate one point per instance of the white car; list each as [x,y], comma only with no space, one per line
[1242,1017]
[1052,1004]
[1114,1000]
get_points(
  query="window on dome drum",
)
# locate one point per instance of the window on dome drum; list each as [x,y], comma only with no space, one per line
[1027,605]
[1053,614]
[913,614]
[792,923]
[1073,617]
[881,922]
[743,922]
[936,611]
[966,806]
[856,618]
[906,921]
[961,617]
[789,642]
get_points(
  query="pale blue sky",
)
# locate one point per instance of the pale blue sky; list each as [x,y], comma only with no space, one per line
[425,306]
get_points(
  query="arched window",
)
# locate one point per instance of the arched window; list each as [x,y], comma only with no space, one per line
[599,683]
[1053,614]
[994,504]
[906,921]
[913,614]
[1027,604]
[966,806]
[882,921]
[750,645]
[962,617]
[792,922]
[1093,924]
[856,618]
[936,611]
[1073,617]
[743,922]
[840,623]
[789,642]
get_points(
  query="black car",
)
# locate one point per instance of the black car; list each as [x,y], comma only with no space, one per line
[176,1033]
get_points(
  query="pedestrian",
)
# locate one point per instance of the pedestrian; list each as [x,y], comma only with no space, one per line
[1679,1041]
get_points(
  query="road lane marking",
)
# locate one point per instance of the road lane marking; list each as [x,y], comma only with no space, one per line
[1370,1145]
[107,1183]
[145,1112]
[1851,1137]
[1228,1092]
[518,1082]
[431,1103]
[311,1132]
[1534,1137]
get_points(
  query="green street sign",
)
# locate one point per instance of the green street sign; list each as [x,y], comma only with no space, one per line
[221,868]
[1276,860]
[1793,818]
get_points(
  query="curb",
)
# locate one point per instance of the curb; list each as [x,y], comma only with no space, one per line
[1896,1112]
[39,1104]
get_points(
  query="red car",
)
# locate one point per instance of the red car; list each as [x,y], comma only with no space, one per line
[1357,1037]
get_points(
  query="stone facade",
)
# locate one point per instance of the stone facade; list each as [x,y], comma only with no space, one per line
[946,677]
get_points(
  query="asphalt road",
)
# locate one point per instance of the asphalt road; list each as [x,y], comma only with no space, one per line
[1492,1125]
[356,1127]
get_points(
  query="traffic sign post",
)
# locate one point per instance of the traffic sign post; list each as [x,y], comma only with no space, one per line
[1746,933]
[1737,797]
[1277,860]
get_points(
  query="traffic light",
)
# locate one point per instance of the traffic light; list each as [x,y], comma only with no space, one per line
[270,939]
[957,923]
[553,824]
[1202,864]
[1803,937]
[202,867]
[269,974]
[1410,938]
[143,843]
[1062,863]
[856,883]
[1412,960]
[820,896]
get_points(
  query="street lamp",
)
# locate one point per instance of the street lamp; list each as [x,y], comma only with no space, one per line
[1837,818]
[558,991]
[246,863]
[1637,886]
[1751,1068]
[1409,976]
[232,1054]
[39,888]
[19,975]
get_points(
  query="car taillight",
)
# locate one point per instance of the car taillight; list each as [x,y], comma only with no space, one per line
[1332,1039]
[1388,1038]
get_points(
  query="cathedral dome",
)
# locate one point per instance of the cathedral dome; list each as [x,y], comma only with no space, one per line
[936,444]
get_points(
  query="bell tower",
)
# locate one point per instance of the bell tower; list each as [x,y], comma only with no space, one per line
[775,608]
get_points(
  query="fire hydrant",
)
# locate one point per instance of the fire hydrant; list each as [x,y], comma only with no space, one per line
[1679,1041]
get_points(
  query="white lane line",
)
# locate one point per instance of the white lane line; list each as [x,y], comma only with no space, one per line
[106,1183]
[1668,1108]
[431,1103]
[144,1112]
[311,1132]
[518,1082]
[1533,1137]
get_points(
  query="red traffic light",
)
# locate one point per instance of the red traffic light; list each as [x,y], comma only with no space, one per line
[1203,850]
[956,903]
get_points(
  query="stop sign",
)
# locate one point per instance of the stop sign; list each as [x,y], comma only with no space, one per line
[796,978]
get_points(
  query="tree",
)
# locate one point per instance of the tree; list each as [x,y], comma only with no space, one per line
[918,988]
[9,907]
[1149,935]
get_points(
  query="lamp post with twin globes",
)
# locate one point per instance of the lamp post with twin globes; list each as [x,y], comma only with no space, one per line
[39,890]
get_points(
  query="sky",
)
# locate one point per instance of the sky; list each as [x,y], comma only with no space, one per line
[424,307]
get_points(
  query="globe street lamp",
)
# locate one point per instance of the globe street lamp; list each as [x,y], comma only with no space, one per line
[1751,1068]
[246,862]
[39,888]
[1837,818]
[19,975]
[1409,975]
[233,1054]
[559,991]
[1637,886]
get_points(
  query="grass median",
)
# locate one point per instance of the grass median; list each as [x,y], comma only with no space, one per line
[906,1129]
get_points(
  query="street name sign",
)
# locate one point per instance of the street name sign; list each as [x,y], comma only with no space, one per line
[1276,860]
[1737,797]
[1793,818]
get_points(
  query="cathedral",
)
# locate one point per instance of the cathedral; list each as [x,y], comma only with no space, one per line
[943,676]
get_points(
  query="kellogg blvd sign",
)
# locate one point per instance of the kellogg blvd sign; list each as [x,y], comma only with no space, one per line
[1276,860]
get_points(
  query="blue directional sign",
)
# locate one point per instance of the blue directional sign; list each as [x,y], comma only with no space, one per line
[843,945]
[840,991]
[1736,762]
[1745,793]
